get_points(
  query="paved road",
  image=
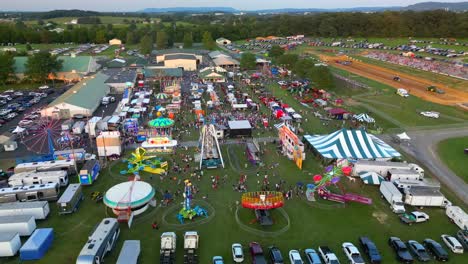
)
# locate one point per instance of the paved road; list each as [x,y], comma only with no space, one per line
[423,147]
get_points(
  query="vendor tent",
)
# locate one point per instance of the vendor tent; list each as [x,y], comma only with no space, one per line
[371,177]
[364,118]
[403,136]
[355,144]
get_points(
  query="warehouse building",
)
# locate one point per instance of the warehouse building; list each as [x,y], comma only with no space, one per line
[186,61]
[83,98]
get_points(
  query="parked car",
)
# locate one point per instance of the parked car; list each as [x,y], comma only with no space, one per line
[295,257]
[311,256]
[327,255]
[370,250]
[403,254]
[462,236]
[419,251]
[21,109]
[43,87]
[275,255]
[431,114]
[11,116]
[352,253]
[452,243]
[436,249]
[237,253]
[25,122]
[18,94]
[218,260]
[256,252]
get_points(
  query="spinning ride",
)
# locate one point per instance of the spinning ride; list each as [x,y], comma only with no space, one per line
[262,202]
[187,212]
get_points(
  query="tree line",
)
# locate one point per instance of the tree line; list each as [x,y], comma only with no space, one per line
[436,23]
[38,67]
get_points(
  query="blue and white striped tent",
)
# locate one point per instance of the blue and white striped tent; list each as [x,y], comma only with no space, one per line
[351,144]
[371,177]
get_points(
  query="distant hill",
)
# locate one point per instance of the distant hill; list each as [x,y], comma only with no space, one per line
[190,9]
[425,6]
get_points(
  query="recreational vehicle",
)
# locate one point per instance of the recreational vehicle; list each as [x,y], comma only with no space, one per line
[90,172]
[29,178]
[53,165]
[101,241]
[37,192]
[382,167]
[70,199]
[39,209]
[24,225]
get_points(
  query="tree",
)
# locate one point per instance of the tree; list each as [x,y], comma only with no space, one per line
[146,44]
[40,65]
[302,67]
[161,40]
[130,38]
[208,41]
[28,47]
[322,77]
[188,40]
[288,60]
[101,36]
[6,67]
[248,61]
[276,51]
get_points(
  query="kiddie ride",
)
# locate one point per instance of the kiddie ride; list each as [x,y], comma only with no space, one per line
[139,162]
[187,212]
[262,202]
[332,176]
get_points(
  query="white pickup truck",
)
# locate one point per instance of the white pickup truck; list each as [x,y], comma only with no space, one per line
[328,256]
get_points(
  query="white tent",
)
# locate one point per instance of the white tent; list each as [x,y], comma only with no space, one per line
[364,118]
[403,136]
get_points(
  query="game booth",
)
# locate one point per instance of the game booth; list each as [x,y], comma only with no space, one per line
[240,128]
[291,146]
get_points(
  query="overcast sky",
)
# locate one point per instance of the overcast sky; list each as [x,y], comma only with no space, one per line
[133,5]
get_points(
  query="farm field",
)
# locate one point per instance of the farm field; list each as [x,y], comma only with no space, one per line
[310,223]
[451,153]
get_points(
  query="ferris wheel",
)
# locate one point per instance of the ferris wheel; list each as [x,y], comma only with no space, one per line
[40,138]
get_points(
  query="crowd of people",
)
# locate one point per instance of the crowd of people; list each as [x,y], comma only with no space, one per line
[448,68]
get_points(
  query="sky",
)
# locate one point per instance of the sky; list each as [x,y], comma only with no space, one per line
[135,5]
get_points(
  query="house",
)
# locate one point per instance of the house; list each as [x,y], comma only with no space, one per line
[83,98]
[223,41]
[186,61]
[74,68]
[115,42]
[226,62]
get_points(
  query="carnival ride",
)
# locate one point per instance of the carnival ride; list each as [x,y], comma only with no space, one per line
[262,202]
[41,135]
[187,212]
[139,162]
[332,176]
[211,156]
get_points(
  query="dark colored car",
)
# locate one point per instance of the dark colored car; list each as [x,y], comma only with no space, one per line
[462,236]
[370,250]
[403,254]
[436,249]
[257,253]
[419,251]
[275,256]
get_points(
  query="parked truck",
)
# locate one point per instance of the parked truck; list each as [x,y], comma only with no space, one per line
[414,217]
[168,248]
[190,247]
[406,184]
[327,255]
[393,196]
[403,174]
[382,167]
[425,196]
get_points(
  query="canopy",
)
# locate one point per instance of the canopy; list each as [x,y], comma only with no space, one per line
[371,177]
[18,130]
[356,144]
[161,96]
[161,122]
[364,118]
[403,136]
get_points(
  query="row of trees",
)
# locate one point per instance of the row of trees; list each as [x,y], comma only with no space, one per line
[385,24]
[303,68]
[38,67]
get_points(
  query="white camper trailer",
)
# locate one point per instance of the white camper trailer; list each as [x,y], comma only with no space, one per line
[10,243]
[39,209]
[29,178]
[458,216]
[24,225]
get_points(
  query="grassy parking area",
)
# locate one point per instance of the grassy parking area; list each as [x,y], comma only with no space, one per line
[451,152]
[311,224]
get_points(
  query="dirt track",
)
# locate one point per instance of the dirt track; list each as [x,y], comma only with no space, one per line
[415,85]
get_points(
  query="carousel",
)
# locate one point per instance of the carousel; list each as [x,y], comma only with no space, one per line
[159,136]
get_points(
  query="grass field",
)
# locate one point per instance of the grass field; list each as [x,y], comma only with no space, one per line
[451,153]
[311,223]
[115,20]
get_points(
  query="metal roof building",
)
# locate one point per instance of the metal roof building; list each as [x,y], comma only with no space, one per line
[83,98]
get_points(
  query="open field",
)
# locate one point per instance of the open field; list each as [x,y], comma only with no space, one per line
[311,223]
[114,20]
[451,153]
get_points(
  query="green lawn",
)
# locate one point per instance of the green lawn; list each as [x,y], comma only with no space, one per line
[311,223]
[451,153]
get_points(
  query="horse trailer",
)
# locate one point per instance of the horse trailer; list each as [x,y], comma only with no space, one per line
[37,192]
[29,178]
[101,241]
[70,199]
[39,209]
[24,225]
